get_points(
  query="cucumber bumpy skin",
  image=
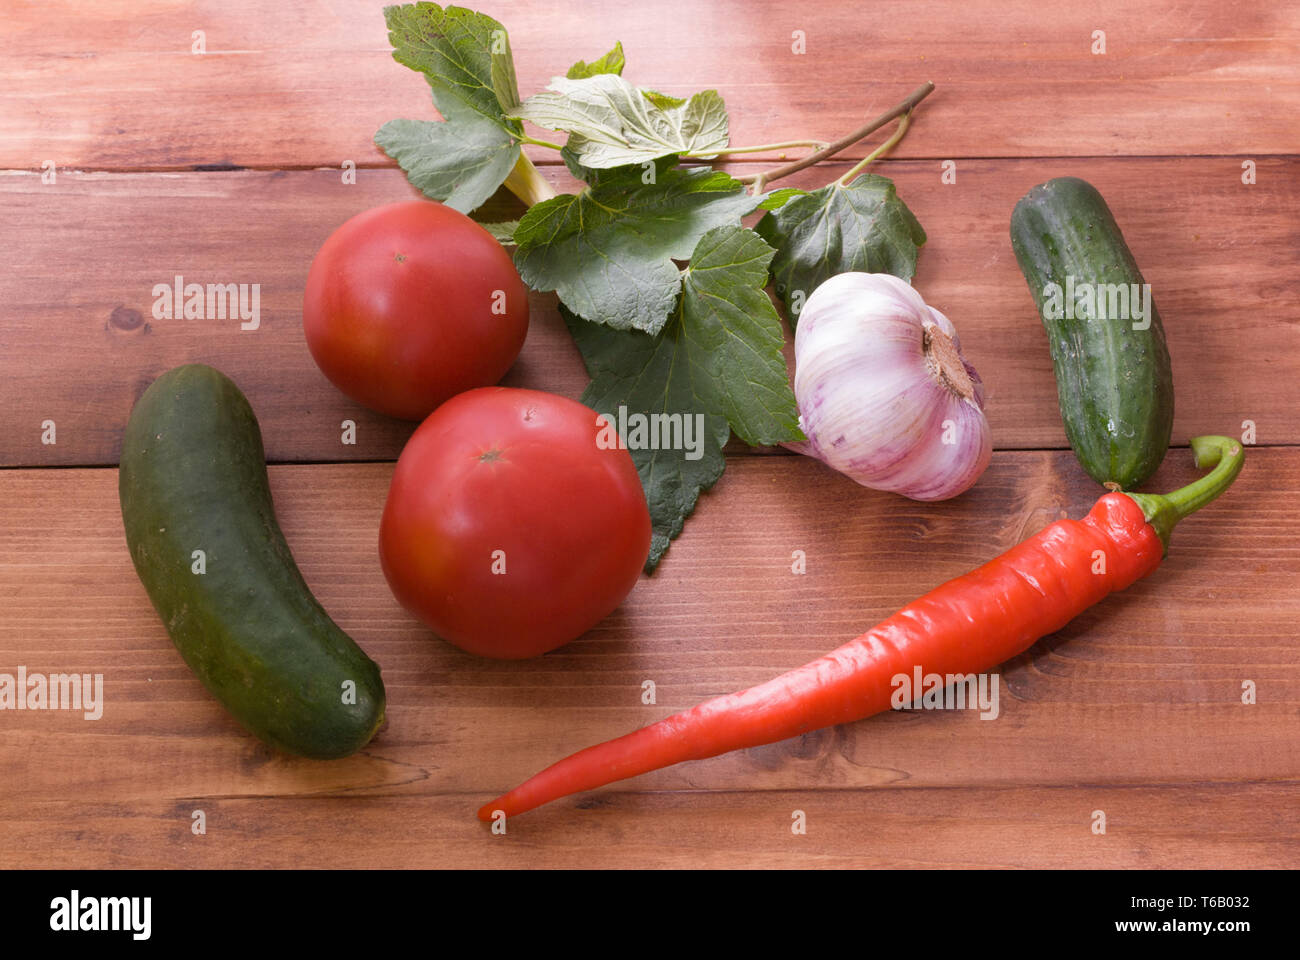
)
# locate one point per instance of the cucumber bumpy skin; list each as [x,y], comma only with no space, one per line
[193,477]
[1113,382]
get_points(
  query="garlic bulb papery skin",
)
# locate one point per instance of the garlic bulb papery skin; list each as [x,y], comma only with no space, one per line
[884,394]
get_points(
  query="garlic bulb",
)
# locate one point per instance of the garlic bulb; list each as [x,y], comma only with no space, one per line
[884,393]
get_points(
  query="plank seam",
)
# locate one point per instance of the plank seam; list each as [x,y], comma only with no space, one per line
[744,452]
[841,160]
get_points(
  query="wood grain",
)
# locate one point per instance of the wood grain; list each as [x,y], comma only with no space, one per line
[1207,826]
[1134,708]
[80,343]
[114,85]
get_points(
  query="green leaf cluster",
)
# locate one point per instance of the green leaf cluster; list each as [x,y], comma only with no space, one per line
[717,360]
[465,56]
[609,250]
[862,227]
[659,282]
[611,123]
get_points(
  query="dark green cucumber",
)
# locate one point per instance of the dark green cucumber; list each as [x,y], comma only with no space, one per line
[193,477]
[1113,381]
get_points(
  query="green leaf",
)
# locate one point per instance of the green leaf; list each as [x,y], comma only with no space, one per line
[460,163]
[731,337]
[608,251]
[612,62]
[718,362]
[779,198]
[611,123]
[862,227]
[465,57]
[662,100]
[635,371]
[578,171]
[502,74]
[503,231]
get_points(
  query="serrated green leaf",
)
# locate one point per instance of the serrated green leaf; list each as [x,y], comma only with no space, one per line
[611,123]
[732,337]
[862,227]
[578,171]
[465,57]
[608,251]
[779,198]
[612,62]
[503,231]
[719,360]
[633,370]
[502,75]
[460,163]
[662,100]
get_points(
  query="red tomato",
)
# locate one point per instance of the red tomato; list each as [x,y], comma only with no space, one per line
[410,304]
[508,529]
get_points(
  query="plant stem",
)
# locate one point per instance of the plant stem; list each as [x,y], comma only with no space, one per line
[526,183]
[764,148]
[759,180]
[878,152]
[540,143]
[1224,455]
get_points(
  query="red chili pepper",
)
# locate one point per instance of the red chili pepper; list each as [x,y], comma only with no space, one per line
[967,625]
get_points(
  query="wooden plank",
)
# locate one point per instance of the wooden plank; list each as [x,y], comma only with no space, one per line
[115,85]
[79,343]
[1133,708]
[1202,826]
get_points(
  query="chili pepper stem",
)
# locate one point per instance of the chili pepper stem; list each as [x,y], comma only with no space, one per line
[1163,512]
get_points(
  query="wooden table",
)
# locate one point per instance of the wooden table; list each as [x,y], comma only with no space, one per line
[227,166]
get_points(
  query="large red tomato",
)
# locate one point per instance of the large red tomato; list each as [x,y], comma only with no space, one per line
[410,304]
[508,528]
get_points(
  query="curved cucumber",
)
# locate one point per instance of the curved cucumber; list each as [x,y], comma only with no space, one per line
[1113,378]
[193,478]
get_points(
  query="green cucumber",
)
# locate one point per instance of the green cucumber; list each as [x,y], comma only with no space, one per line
[193,478]
[1113,378]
